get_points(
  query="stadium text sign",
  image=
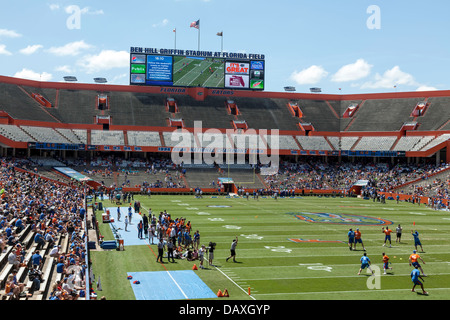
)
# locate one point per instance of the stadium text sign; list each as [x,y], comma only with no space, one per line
[196,53]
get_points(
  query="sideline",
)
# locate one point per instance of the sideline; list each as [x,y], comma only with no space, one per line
[234,282]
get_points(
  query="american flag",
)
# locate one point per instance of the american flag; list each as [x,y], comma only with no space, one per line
[195,24]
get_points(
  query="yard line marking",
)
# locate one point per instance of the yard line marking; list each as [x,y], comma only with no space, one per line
[234,283]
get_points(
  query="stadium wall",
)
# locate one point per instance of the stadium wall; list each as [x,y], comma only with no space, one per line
[201,93]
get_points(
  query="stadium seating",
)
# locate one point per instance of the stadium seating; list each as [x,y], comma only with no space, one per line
[313,143]
[71,136]
[342,143]
[437,114]
[144,138]
[436,141]
[99,137]
[43,134]
[179,138]
[248,141]
[284,141]
[383,115]
[407,143]
[375,143]
[15,133]
[19,104]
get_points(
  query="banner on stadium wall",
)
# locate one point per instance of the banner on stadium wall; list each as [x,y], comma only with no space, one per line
[72,174]
[55,146]
[368,153]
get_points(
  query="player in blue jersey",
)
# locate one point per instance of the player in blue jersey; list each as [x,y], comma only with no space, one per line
[365,263]
[351,238]
[415,276]
[416,239]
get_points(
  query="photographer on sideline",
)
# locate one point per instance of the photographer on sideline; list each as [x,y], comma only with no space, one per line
[211,248]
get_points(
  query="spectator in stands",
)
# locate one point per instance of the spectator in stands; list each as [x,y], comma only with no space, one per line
[61,266]
[36,260]
[8,230]
[54,253]
[11,289]
[20,252]
[12,240]
[39,239]
[3,241]
[18,284]
[35,276]
[19,225]
[13,260]
[49,238]
[55,292]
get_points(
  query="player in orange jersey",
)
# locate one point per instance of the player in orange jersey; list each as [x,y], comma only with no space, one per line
[385,263]
[358,239]
[387,236]
[413,260]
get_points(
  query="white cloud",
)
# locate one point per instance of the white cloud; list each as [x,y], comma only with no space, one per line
[105,60]
[86,10]
[353,71]
[311,75]
[389,79]
[161,24]
[4,51]
[9,33]
[31,49]
[70,49]
[426,88]
[120,79]
[54,6]
[31,75]
[65,69]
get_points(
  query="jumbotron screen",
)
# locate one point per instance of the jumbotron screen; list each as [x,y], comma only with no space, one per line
[189,68]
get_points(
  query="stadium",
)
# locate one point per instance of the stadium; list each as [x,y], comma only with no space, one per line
[193,183]
[337,153]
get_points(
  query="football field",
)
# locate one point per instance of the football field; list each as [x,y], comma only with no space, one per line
[204,72]
[288,249]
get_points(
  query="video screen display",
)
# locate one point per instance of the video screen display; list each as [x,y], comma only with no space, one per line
[209,71]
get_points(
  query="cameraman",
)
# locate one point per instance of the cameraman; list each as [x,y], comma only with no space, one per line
[211,248]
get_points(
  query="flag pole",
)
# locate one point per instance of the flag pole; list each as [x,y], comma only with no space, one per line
[198,34]
[175,30]
[220,34]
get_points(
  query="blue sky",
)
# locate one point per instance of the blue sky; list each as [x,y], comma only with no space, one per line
[348,46]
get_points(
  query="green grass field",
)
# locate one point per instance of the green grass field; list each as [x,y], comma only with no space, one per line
[197,73]
[276,268]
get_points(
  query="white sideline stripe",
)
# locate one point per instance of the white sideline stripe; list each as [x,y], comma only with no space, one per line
[352,291]
[177,285]
[349,276]
[234,282]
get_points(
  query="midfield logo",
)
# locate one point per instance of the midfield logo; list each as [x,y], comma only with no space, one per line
[334,218]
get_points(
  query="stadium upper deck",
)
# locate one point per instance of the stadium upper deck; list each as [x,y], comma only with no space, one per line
[414,123]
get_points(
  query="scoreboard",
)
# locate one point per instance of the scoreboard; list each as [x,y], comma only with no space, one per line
[189,68]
